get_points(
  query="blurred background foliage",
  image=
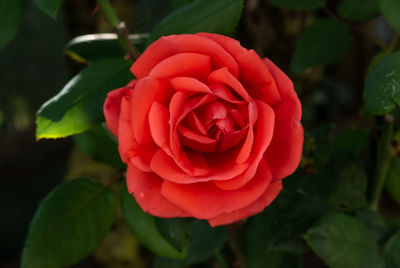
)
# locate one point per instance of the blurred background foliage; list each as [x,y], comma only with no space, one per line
[339,135]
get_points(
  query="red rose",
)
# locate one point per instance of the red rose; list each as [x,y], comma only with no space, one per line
[208,129]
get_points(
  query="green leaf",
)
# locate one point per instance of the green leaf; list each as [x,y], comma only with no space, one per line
[374,222]
[97,144]
[382,87]
[353,140]
[299,5]
[144,228]
[393,180]
[323,42]
[215,16]
[392,249]
[79,105]
[11,15]
[390,10]
[175,231]
[358,10]
[343,241]
[92,47]
[204,242]
[69,224]
[50,7]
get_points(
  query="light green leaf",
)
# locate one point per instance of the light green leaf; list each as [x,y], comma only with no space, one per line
[144,228]
[342,241]
[390,10]
[92,47]
[393,180]
[79,105]
[215,16]
[323,42]
[50,7]
[382,87]
[11,15]
[69,224]
[358,10]
[298,4]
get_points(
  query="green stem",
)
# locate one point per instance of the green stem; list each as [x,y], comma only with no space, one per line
[384,157]
[123,33]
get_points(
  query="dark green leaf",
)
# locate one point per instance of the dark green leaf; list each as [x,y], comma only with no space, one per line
[323,42]
[97,144]
[215,16]
[343,241]
[79,105]
[392,251]
[69,224]
[382,88]
[374,222]
[50,7]
[175,231]
[11,15]
[179,3]
[390,10]
[92,47]
[299,5]
[358,10]
[353,140]
[393,180]
[204,242]
[144,228]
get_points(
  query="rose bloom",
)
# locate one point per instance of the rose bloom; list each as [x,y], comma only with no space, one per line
[207,130]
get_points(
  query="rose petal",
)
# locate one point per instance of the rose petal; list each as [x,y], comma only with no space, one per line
[223,76]
[189,84]
[205,200]
[254,208]
[284,153]
[158,121]
[183,64]
[146,188]
[229,140]
[112,107]
[231,45]
[173,44]
[263,137]
[147,91]
[194,123]
[259,82]
[195,141]
[129,150]
[224,93]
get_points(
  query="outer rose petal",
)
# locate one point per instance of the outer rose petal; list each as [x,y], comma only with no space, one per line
[256,207]
[284,153]
[112,107]
[205,200]
[146,188]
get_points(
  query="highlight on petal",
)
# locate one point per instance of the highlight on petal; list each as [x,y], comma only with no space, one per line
[189,84]
[112,107]
[230,45]
[146,188]
[205,200]
[170,45]
[254,208]
[158,121]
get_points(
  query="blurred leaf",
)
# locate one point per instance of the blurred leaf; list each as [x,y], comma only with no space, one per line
[382,87]
[299,5]
[374,222]
[358,10]
[351,181]
[343,241]
[390,10]
[179,3]
[11,15]
[97,144]
[175,230]
[50,7]
[392,251]
[352,140]
[79,105]
[92,47]
[144,228]
[215,16]
[375,60]
[323,42]
[69,224]
[393,180]
[204,242]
